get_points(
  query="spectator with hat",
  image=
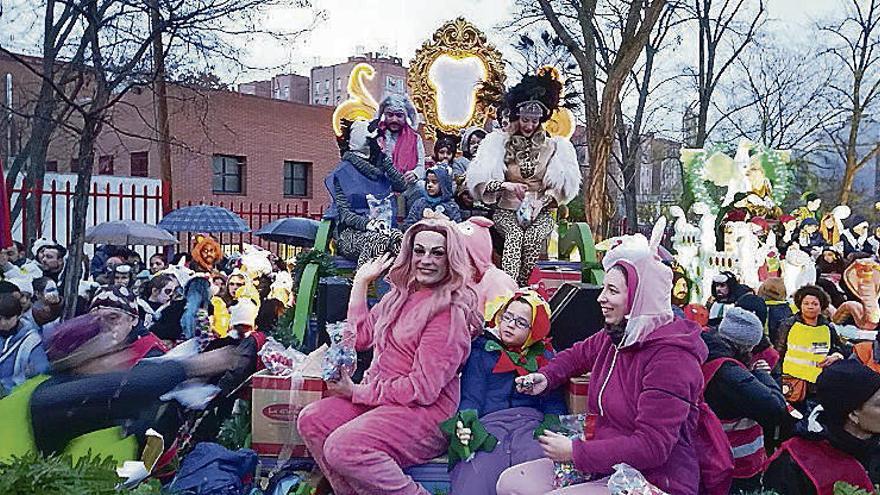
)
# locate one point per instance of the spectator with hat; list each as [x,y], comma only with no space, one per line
[842,442]
[741,392]
[21,347]
[50,257]
[778,308]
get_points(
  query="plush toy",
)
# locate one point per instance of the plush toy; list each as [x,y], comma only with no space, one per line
[490,281]
[863,279]
[206,253]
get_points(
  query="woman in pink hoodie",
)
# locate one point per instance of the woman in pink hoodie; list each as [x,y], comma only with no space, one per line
[420,332]
[645,385]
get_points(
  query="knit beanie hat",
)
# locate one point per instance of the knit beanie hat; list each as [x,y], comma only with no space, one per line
[244,312]
[116,298]
[843,387]
[773,289]
[741,327]
[755,305]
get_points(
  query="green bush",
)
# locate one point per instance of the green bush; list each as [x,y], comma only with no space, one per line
[59,475]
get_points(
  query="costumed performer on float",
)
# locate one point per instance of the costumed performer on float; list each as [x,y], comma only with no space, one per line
[488,394]
[644,415]
[524,173]
[399,139]
[490,282]
[420,332]
[364,171]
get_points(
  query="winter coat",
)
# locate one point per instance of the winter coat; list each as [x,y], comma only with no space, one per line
[784,475]
[487,392]
[21,356]
[646,397]
[445,203]
[735,392]
[777,312]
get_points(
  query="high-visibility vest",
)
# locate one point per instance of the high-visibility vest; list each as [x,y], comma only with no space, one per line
[807,347]
[745,435]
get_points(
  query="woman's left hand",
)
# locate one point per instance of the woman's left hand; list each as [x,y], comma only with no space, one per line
[343,388]
[557,447]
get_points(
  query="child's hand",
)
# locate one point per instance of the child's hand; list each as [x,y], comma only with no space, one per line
[531,384]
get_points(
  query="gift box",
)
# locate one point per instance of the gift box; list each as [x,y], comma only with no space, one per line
[274,406]
[576,395]
[552,274]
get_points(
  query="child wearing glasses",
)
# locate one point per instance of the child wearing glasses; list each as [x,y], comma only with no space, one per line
[518,347]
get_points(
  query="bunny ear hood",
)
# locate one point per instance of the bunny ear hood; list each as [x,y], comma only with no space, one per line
[651,304]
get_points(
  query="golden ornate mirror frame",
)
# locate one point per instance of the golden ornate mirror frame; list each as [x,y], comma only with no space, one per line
[457,39]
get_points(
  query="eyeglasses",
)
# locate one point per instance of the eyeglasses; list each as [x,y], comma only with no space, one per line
[168,291]
[518,322]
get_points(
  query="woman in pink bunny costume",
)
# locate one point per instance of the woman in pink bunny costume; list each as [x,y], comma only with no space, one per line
[491,281]
[645,386]
[420,332]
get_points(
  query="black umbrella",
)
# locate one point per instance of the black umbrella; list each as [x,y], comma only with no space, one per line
[291,231]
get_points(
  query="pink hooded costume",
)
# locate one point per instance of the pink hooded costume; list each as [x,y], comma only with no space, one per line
[491,281]
[420,338]
[645,391]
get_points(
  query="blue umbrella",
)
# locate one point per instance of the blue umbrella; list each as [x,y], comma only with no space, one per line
[292,231]
[203,218]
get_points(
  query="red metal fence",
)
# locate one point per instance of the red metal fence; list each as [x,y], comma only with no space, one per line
[143,202]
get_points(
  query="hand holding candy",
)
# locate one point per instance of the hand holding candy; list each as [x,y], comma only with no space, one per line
[531,384]
[557,447]
[342,388]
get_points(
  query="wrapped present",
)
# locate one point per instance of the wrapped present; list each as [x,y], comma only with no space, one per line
[277,401]
[576,394]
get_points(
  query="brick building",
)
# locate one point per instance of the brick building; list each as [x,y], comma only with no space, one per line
[330,83]
[226,146]
[287,87]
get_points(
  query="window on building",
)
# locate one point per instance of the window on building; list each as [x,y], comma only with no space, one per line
[338,84]
[229,174]
[105,165]
[140,164]
[296,178]
[51,166]
[74,165]
[327,85]
[317,87]
[393,84]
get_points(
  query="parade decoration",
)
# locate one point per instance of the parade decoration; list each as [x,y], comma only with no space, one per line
[446,72]
[862,278]
[360,105]
[562,121]
[764,175]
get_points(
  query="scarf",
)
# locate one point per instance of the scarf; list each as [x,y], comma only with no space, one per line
[530,356]
[405,155]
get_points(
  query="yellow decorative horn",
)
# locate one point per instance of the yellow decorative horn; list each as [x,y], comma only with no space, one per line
[360,105]
[561,123]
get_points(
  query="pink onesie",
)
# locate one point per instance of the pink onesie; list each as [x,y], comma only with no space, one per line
[392,420]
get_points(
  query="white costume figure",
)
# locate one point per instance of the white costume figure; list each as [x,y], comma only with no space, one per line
[798,269]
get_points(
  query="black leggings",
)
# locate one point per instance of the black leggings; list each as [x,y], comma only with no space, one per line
[67,406]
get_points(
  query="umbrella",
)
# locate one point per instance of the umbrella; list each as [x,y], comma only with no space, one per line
[203,218]
[129,232]
[292,231]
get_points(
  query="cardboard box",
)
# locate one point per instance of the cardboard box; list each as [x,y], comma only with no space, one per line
[274,406]
[576,395]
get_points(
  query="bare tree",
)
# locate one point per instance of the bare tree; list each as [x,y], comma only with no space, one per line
[575,23]
[854,53]
[726,28]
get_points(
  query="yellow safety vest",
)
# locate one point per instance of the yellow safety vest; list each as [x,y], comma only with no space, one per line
[807,347]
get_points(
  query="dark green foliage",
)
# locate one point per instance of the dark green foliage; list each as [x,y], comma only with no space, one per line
[283,331]
[235,432]
[326,268]
[59,475]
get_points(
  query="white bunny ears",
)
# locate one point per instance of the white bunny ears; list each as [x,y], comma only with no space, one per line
[633,247]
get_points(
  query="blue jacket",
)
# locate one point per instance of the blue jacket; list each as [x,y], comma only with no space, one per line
[487,392]
[21,356]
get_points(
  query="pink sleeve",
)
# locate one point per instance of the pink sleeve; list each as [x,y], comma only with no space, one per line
[361,320]
[571,362]
[443,347]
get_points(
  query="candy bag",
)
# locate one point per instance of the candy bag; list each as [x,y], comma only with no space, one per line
[381,209]
[627,480]
[278,360]
[341,357]
[564,473]
[528,209]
